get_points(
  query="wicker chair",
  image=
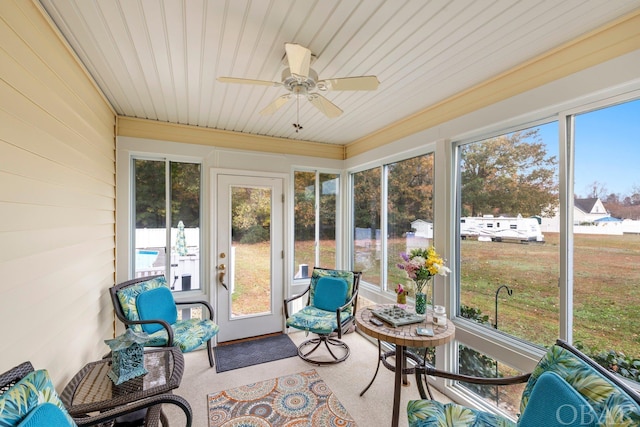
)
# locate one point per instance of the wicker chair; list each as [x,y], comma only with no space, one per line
[331,308]
[25,391]
[159,316]
[566,388]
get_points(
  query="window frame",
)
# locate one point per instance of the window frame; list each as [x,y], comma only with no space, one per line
[131,225]
[339,218]
[512,351]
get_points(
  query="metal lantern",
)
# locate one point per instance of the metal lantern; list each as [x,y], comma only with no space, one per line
[127,356]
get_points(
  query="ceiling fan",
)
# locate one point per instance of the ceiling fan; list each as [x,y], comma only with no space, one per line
[302,82]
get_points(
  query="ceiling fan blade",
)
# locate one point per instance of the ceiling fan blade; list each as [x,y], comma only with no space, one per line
[353,83]
[328,108]
[275,105]
[299,58]
[248,81]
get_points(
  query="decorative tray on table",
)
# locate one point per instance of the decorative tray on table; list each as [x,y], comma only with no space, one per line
[397,316]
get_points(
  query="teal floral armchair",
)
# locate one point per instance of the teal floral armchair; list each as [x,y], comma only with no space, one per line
[330,309]
[146,304]
[565,389]
[28,399]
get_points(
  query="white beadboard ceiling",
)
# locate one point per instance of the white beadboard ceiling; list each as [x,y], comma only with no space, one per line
[159,59]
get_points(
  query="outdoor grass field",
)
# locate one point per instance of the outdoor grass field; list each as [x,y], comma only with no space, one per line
[606,286]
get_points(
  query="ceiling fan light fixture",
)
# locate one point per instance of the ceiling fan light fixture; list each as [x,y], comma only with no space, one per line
[291,81]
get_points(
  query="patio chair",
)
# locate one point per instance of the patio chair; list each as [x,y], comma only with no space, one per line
[29,399]
[566,388]
[331,308]
[146,304]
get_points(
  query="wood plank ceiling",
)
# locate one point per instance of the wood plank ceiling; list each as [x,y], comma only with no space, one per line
[159,59]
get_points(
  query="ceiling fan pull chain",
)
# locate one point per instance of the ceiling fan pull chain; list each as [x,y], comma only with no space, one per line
[297,124]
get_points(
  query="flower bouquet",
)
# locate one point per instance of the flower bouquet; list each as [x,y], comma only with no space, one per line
[401,293]
[421,265]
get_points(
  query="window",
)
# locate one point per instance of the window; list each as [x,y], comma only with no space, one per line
[366,219]
[408,217]
[409,211]
[508,268]
[315,223]
[167,221]
[606,231]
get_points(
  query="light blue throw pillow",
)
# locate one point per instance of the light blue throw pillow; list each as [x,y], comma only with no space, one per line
[554,403]
[330,293]
[45,414]
[157,303]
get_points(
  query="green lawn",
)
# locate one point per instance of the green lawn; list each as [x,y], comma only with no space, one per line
[607,295]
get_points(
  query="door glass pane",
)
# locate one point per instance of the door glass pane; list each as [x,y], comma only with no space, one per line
[509,230]
[606,243]
[366,218]
[250,260]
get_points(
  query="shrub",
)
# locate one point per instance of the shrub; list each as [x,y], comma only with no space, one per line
[255,234]
[614,361]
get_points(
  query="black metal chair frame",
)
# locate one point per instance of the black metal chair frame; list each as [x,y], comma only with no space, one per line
[327,339]
[128,323]
[11,377]
[424,370]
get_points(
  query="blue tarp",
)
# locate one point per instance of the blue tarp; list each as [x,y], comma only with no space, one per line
[607,219]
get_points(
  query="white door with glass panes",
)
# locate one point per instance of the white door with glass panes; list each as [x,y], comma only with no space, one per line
[249,257]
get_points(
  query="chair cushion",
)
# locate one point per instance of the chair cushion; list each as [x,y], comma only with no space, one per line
[429,413]
[21,399]
[312,319]
[45,414]
[611,404]
[553,402]
[128,296]
[347,275]
[156,303]
[187,334]
[330,293]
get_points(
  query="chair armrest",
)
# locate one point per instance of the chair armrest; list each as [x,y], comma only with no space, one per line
[422,371]
[339,310]
[12,376]
[112,414]
[198,302]
[295,297]
[164,324]
[347,304]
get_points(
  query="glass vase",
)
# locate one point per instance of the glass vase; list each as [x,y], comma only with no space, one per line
[401,298]
[421,303]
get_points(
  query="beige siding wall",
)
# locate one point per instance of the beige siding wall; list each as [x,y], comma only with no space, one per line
[57,200]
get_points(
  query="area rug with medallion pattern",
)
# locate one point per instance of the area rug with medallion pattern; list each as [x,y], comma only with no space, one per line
[296,400]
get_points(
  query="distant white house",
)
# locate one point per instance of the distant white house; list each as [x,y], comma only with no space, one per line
[591,217]
[588,210]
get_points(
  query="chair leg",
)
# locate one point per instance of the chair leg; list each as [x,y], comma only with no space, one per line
[327,341]
[210,353]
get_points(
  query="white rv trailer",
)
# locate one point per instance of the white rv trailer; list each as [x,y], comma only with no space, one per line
[498,229]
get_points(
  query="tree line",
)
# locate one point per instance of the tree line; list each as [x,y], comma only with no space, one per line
[506,175]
